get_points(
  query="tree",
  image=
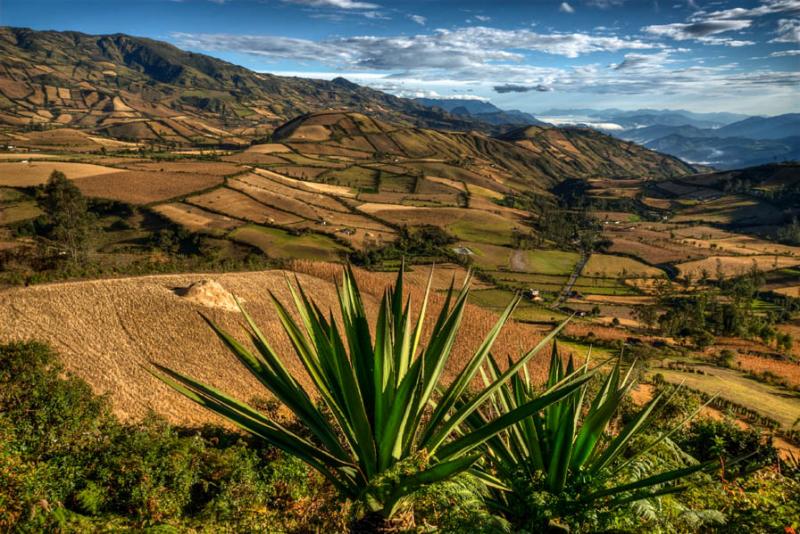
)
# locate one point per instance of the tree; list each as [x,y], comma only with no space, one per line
[647,315]
[70,223]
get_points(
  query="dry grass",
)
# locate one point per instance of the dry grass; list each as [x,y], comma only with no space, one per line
[109,330]
[269,148]
[767,400]
[215,168]
[791,291]
[143,187]
[21,174]
[240,206]
[790,371]
[196,219]
[735,265]
[337,190]
[608,265]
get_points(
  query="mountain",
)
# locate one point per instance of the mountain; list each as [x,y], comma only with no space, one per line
[728,152]
[481,110]
[139,89]
[777,182]
[721,140]
[777,127]
[648,134]
[585,153]
[532,157]
[648,117]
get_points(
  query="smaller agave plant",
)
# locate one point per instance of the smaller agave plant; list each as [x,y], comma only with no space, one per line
[567,453]
[388,423]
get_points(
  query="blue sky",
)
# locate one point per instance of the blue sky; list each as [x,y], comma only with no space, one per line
[716,55]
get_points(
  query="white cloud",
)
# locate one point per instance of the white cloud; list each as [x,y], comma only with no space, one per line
[473,47]
[788,31]
[419,19]
[705,27]
[482,18]
[785,53]
[635,61]
[701,30]
[339,4]
[566,8]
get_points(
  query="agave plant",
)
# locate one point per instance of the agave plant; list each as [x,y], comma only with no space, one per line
[378,435]
[568,452]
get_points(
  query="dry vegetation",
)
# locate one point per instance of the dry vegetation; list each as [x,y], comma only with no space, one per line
[109,330]
[735,265]
[145,187]
[196,219]
[25,174]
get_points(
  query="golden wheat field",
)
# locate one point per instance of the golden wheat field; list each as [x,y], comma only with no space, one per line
[108,331]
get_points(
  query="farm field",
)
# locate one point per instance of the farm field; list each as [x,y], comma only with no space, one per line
[21,174]
[197,219]
[108,330]
[767,400]
[606,265]
[278,243]
[145,187]
[735,265]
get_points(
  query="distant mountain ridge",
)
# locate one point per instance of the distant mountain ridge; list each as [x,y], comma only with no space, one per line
[481,110]
[136,88]
[721,140]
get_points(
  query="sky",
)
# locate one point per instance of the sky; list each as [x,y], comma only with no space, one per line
[533,55]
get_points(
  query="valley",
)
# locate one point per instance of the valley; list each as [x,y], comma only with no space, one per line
[144,188]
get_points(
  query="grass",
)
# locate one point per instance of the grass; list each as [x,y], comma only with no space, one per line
[553,262]
[610,265]
[602,286]
[731,385]
[482,227]
[278,243]
[497,299]
[21,211]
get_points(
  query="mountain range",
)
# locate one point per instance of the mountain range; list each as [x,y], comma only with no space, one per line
[481,110]
[79,92]
[139,89]
[721,140]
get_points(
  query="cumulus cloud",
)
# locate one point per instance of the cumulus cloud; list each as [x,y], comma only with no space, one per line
[566,8]
[635,61]
[339,4]
[419,19]
[705,27]
[696,30]
[513,88]
[788,31]
[482,18]
[785,53]
[473,47]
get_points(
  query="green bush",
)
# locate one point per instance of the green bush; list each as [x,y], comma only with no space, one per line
[67,463]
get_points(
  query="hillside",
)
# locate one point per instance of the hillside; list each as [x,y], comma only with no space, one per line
[777,127]
[481,110]
[584,152]
[109,331]
[728,152]
[142,90]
